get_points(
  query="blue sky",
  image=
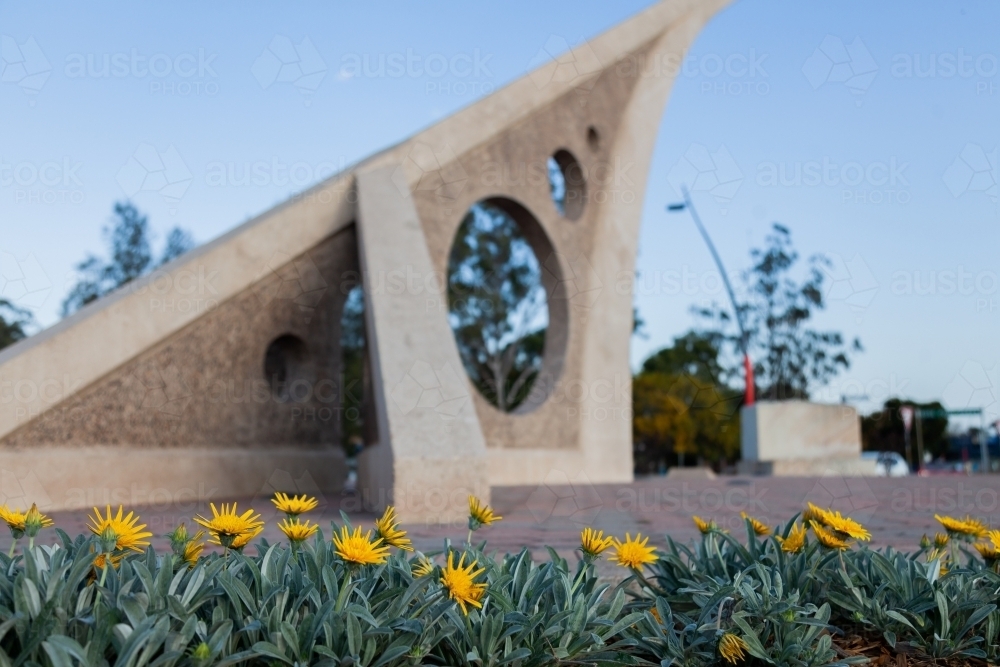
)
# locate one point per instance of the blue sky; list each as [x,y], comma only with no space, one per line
[887,113]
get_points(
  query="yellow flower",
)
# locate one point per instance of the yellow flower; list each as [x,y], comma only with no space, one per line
[845,525]
[593,543]
[294,505]
[101,560]
[124,531]
[34,521]
[704,526]
[988,551]
[423,567]
[14,520]
[795,541]
[633,553]
[732,648]
[941,540]
[359,549]
[812,513]
[193,549]
[827,538]
[228,528]
[388,529]
[994,537]
[461,582]
[480,514]
[968,526]
[297,532]
[759,527]
[241,540]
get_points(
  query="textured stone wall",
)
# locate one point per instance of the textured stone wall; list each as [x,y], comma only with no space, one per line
[205,385]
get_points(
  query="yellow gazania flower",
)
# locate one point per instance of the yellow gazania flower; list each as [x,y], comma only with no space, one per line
[240,540]
[633,553]
[14,520]
[193,549]
[845,525]
[102,559]
[359,549]
[968,526]
[480,514]
[827,538]
[297,532]
[227,527]
[795,541]
[34,521]
[388,529]
[732,648]
[423,567]
[461,582]
[706,527]
[593,543]
[940,540]
[994,537]
[988,551]
[812,513]
[126,534]
[656,614]
[759,527]
[294,505]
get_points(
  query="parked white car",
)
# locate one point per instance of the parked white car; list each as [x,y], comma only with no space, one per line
[888,464]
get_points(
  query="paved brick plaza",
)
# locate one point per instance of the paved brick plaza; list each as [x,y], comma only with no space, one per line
[897,511]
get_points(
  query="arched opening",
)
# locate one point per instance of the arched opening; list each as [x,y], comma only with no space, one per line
[288,369]
[354,371]
[505,304]
[567,184]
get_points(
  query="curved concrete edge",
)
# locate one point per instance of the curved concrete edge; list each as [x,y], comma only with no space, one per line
[67,478]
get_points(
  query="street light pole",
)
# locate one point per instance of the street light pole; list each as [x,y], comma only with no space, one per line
[688,205]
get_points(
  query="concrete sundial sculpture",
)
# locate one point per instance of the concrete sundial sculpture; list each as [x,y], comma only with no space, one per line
[157,393]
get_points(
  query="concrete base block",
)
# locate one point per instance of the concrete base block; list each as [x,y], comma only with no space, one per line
[62,478]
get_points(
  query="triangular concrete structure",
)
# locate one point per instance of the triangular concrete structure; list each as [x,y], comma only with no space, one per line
[157,393]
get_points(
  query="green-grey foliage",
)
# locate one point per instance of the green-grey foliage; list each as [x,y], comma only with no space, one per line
[307,607]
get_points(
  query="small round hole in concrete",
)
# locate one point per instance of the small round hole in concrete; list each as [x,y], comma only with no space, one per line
[567,184]
[593,138]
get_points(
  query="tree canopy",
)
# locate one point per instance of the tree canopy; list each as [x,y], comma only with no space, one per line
[681,410]
[789,357]
[14,322]
[131,257]
[497,305]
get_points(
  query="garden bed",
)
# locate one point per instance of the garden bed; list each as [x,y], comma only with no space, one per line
[808,592]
